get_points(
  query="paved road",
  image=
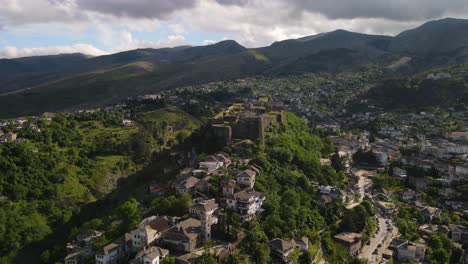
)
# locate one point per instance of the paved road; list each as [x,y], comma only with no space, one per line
[367,250]
[383,237]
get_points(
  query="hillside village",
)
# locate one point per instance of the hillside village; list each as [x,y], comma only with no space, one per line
[397,167]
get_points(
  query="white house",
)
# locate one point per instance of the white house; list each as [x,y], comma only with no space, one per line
[115,252]
[151,255]
[246,178]
[149,230]
[247,203]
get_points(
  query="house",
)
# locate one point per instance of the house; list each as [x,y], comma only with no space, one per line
[187,186]
[387,208]
[149,230]
[281,248]
[115,252]
[246,178]
[203,184]
[461,169]
[382,194]
[186,236]
[426,230]
[408,251]
[74,258]
[409,195]
[228,187]
[350,241]
[156,189]
[333,192]
[151,255]
[214,162]
[222,158]
[127,123]
[11,137]
[247,203]
[88,236]
[381,157]
[459,136]
[429,213]
[459,234]
[21,120]
[399,173]
[205,211]
[323,199]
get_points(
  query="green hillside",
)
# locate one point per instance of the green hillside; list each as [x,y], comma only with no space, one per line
[75,81]
[72,162]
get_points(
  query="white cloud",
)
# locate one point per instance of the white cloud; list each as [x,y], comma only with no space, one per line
[208,42]
[13,52]
[253,23]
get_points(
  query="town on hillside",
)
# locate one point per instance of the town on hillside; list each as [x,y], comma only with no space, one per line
[409,173]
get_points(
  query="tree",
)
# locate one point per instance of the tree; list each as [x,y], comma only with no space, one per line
[169,260]
[337,162]
[129,213]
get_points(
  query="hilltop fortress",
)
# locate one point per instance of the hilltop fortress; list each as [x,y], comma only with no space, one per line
[246,121]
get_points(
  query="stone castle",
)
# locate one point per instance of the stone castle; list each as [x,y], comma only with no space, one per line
[246,121]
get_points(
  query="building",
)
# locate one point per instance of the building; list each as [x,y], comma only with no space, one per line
[241,121]
[280,248]
[350,241]
[410,195]
[459,234]
[116,252]
[206,212]
[187,186]
[246,178]
[399,173]
[408,251]
[149,230]
[429,213]
[186,236]
[228,187]
[151,255]
[381,157]
[333,192]
[387,208]
[458,136]
[74,258]
[247,203]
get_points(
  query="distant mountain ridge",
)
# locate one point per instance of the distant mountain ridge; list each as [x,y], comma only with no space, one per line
[51,83]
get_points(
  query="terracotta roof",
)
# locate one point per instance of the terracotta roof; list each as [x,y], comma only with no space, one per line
[229,183]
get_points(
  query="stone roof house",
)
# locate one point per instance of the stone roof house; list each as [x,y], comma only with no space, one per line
[246,178]
[185,236]
[151,255]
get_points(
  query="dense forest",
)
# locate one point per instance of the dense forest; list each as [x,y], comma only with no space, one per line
[70,161]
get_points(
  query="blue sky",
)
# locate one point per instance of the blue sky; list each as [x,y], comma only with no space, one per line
[41,27]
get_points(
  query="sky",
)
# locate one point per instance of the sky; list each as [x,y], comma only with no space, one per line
[99,27]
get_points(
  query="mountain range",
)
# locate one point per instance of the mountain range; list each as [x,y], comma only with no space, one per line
[33,85]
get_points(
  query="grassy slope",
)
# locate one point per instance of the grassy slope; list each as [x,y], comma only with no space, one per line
[174,116]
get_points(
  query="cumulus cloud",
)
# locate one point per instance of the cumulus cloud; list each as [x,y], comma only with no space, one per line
[137,9]
[253,23]
[400,10]
[18,12]
[13,52]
